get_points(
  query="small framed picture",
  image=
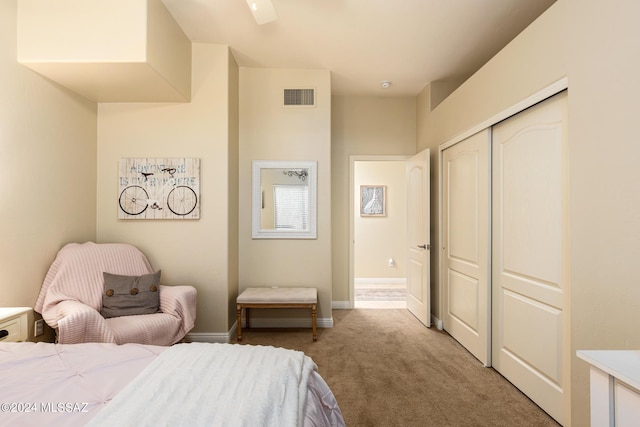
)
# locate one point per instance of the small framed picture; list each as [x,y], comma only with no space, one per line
[373,200]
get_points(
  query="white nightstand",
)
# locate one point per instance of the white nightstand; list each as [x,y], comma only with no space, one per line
[615,386]
[13,323]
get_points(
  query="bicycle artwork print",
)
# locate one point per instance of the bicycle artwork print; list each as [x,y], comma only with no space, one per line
[164,188]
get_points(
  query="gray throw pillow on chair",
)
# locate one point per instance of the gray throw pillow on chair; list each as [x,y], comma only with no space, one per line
[130,295]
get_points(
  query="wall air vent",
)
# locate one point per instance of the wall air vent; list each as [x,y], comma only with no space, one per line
[299,98]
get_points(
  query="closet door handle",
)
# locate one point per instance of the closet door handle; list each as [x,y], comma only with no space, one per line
[422,246]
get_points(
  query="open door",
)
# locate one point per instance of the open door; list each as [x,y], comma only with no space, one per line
[418,238]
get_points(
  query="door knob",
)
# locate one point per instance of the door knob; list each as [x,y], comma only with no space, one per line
[422,246]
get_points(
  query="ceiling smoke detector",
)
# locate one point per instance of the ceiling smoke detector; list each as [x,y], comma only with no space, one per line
[385,84]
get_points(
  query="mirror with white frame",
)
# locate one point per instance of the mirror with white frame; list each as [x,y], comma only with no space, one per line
[284,199]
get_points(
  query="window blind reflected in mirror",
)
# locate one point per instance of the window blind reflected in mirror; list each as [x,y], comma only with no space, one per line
[291,207]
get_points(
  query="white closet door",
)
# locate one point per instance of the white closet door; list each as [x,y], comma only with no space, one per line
[530,257]
[466,244]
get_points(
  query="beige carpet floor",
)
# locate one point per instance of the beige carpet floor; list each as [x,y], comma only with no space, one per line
[386,369]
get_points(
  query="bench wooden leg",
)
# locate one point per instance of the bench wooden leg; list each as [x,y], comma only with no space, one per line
[239,311]
[314,316]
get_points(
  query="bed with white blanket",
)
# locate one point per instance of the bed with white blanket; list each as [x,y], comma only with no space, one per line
[197,384]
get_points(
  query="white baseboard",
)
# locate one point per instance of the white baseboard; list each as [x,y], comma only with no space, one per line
[225,337]
[436,322]
[379,280]
[212,337]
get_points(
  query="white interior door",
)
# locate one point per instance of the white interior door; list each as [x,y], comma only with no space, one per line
[418,238]
[530,254]
[466,244]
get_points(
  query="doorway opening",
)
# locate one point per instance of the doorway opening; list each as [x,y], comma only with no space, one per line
[378,260]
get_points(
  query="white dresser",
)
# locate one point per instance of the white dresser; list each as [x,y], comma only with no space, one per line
[13,324]
[615,386]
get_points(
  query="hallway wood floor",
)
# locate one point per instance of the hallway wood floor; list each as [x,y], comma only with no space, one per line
[380,295]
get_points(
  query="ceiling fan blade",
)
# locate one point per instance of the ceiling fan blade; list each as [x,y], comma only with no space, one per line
[263,11]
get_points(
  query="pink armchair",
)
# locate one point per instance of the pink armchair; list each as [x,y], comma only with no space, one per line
[70,300]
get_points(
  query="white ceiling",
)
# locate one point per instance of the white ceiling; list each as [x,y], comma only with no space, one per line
[363,42]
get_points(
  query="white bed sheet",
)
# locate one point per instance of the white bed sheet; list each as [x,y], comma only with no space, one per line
[46,384]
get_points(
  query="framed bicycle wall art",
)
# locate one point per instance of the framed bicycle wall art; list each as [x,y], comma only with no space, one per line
[159,188]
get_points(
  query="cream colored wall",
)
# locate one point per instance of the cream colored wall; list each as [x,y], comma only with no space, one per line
[48,173]
[198,252]
[168,49]
[270,132]
[107,50]
[378,239]
[362,125]
[234,191]
[604,130]
[594,44]
[62,30]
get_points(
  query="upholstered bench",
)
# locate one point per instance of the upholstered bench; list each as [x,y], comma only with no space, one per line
[277,298]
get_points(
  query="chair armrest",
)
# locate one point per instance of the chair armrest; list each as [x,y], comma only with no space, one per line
[179,301]
[78,323]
